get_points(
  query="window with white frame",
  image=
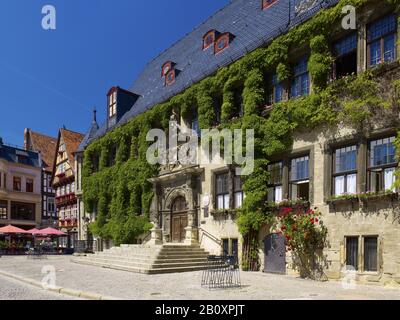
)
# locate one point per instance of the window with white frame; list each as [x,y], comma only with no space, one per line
[3,209]
[275,171]
[222,191]
[345,171]
[112,104]
[300,178]
[382,164]
[238,192]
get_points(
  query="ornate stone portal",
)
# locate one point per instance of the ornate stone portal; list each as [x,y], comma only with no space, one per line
[175,205]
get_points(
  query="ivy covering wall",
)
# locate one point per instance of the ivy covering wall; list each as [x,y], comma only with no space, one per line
[122,195]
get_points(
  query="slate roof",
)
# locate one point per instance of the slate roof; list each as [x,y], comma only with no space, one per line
[252,28]
[46,146]
[10,154]
[88,136]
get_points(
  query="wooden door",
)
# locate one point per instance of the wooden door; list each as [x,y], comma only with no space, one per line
[179,223]
[179,220]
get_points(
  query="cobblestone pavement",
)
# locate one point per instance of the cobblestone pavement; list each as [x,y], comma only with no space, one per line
[15,290]
[126,285]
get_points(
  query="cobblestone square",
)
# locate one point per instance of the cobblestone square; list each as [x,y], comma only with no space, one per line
[133,286]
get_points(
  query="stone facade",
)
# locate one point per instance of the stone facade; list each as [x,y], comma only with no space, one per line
[371,224]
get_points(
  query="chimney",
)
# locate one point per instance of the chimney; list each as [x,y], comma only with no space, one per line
[27,139]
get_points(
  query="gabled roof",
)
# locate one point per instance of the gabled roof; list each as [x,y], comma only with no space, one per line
[72,141]
[251,27]
[43,144]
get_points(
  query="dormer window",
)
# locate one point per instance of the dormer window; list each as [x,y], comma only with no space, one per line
[209,39]
[167,67]
[267,3]
[169,73]
[170,78]
[112,104]
[222,43]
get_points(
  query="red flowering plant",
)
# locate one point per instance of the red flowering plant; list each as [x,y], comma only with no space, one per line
[305,236]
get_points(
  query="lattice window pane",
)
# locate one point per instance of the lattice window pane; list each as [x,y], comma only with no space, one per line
[346,45]
[382,27]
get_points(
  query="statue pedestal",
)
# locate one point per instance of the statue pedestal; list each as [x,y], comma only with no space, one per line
[192,235]
[156,237]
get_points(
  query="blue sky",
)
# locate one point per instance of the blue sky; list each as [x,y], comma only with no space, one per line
[53,78]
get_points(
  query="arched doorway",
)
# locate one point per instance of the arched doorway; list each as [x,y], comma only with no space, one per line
[275,254]
[179,219]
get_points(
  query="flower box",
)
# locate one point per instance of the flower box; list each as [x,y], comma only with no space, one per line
[225,213]
[293,204]
[351,199]
[384,196]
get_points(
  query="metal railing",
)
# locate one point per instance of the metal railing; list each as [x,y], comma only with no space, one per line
[211,237]
[222,272]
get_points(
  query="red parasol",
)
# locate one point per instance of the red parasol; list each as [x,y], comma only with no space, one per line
[52,232]
[12,230]
[35,231]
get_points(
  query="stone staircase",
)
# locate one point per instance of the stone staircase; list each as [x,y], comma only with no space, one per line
[169,258]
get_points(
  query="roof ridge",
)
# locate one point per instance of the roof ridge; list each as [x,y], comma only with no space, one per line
[44,135]
[65,129]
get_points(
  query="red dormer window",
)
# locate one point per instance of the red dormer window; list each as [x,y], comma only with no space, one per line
[222,43]
[209,39]
[166,67]
[170,78]
[267,3]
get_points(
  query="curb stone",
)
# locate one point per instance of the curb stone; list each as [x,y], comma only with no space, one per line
[59,290]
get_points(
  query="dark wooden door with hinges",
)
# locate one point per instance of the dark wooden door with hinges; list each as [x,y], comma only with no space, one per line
[179,220]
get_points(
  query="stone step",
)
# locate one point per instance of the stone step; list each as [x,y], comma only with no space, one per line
[149,259]
[146,268]
[141,270]
[149,253]
[111,266]
[179,246]
[159,256]
[149,263]
[155,259]
[128,251]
